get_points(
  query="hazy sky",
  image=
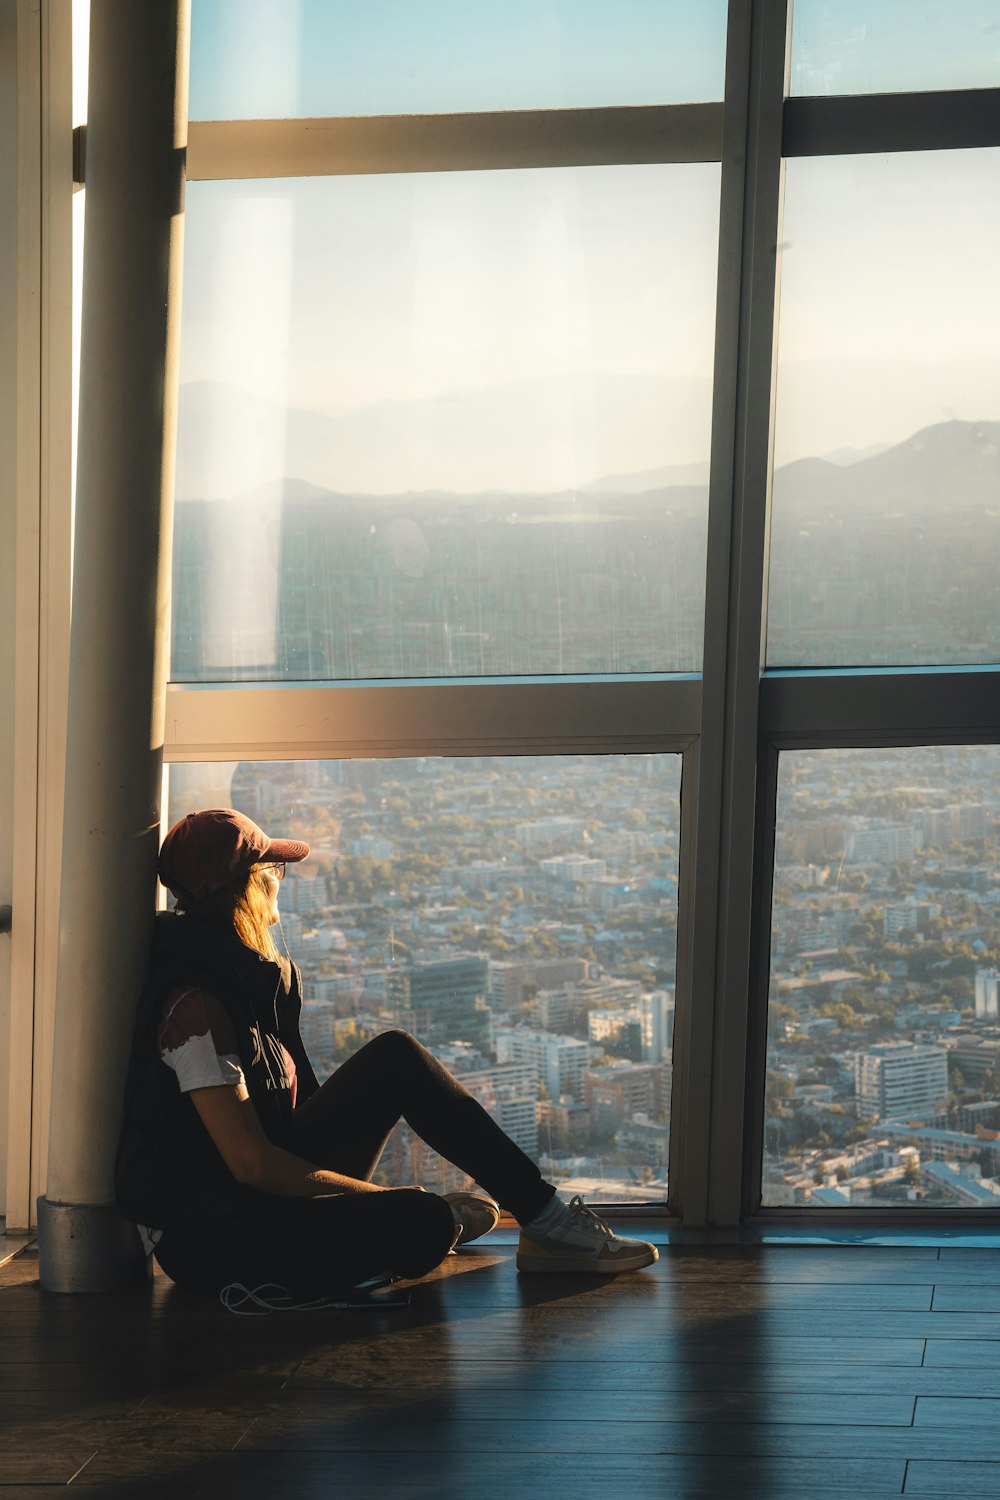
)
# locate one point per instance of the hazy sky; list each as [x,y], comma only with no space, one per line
[333,294]
[348,290]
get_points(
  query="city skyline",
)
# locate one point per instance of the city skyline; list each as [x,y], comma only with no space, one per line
[521,915]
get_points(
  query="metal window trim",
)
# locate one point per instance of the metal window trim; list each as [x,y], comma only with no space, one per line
[754,1121]
[306,722]
[875,1218]
[939,120]
[902,706]
[690,1057]
[471,142]
[721,879]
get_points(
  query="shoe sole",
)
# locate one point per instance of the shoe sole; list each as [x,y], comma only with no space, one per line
[585,1265]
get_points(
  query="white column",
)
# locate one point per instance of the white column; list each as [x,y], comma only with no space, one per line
[119,638]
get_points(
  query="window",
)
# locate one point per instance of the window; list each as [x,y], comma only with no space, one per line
[883,527]
[429,420]
[884,1033]
[518,915]
[546,423]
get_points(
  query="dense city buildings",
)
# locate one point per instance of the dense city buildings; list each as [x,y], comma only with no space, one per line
[459,899]
[883,1037]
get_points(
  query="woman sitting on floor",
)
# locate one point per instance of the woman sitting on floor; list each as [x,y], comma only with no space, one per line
[250,1170]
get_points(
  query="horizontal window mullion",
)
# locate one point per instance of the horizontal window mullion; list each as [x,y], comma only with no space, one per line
[252,722]
[504,139]
[915,706]
[944,120]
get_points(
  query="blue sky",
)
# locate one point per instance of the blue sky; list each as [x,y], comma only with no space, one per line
[272,58]
[879,46]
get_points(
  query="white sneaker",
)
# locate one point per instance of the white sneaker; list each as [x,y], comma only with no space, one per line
[475,1214]
[583,1242]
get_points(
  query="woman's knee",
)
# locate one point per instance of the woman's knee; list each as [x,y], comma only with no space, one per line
[395,1043]
[422,1230]
[399,1052]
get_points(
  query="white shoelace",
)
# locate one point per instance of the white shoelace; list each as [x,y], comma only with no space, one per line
[235,1297]
[579,1211]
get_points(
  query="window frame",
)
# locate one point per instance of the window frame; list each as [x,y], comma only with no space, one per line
[731,723]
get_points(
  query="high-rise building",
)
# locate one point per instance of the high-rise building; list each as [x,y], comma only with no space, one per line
[909,915]
[558,1061]
[883,843]
[657,1010]
[900,1080]
[960,820]
[510,981]
[510,1093]
[567,869]
[444,998]
[987,994]
[549,833]
[976,1055]
[619,1091]
[616,1027]
[305,894]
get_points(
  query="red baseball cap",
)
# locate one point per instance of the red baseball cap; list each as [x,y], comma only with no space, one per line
[210,849]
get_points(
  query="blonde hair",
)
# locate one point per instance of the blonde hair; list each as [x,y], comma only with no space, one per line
[244,906]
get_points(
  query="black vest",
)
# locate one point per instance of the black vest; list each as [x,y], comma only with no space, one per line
[168,1171]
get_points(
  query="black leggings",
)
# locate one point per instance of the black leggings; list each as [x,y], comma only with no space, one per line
[328,1243]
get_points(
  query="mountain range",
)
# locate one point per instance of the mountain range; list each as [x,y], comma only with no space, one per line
[591,432]
[949,466]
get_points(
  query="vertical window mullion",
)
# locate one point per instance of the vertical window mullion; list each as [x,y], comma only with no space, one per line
[719,868]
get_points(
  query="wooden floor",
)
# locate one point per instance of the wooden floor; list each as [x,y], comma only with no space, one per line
[749,1371]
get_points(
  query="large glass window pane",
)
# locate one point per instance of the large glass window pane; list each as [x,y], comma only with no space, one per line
[883,1062]
[452,424]
[281,59]
[885,539]
[888,46]
[518,915]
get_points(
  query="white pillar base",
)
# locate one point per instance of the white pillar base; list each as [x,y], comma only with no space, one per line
[83,1247]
